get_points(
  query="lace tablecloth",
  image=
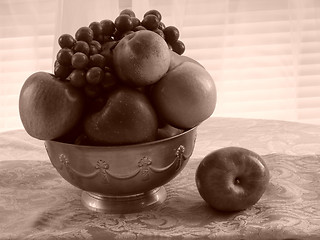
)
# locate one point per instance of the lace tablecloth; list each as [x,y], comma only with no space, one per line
[36,203]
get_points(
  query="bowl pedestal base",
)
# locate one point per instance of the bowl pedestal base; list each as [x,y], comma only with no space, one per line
[123,204]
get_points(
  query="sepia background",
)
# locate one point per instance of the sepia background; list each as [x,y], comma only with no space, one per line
[264,55]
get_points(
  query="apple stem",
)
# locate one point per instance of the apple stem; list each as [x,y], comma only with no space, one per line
[236,181]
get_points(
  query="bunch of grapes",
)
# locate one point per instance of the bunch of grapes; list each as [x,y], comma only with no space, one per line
[85,60]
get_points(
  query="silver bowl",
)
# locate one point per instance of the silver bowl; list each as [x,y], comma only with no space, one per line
[122,179]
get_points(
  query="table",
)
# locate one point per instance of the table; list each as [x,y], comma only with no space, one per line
[36,203]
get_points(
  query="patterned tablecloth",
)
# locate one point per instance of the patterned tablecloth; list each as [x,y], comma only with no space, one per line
[36,203]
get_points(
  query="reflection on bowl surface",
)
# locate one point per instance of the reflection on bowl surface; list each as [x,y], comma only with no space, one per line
[122,171]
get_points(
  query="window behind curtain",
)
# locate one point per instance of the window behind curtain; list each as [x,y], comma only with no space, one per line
[26,43]
[263,54]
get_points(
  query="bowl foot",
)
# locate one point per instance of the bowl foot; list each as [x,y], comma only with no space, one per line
[123,204]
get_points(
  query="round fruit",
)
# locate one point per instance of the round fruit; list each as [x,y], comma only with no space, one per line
[61,71]
[153,12]
[79,60]
[123,23]
[66,41]
[94,75]
[185,96]
[128,12]
[135,22]
[150,22]
[84,34]
[77,78]
[178,47]
[48,107]
[81,46]
[64,56]
[141,58]
[96,27]
[127,118]
[171,34]
[97,60]
[107,27]
[96,44]
[232,178]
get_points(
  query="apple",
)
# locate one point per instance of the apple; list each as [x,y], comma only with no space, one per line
[185,96]
[232,178]
[141,58]
[49,107]
[127,118]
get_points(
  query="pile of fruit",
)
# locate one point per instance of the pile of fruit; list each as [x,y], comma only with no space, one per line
[127,82]
[118,82]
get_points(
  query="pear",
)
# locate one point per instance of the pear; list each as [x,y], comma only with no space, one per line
[127,118]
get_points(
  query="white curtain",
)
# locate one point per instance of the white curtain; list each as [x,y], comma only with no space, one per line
[263,54]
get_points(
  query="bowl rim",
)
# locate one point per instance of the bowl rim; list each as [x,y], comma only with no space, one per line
[127,145]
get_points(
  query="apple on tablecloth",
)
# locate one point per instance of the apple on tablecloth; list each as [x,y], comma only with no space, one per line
[232,178]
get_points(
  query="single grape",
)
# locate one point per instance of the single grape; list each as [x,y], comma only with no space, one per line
[171,34]
[84,34]
[153,12]
[128,12]
[97,60]
[80,60]
[178,47]
[94,75]
[60,70]
[135,22]
[66,41]
[77,78]
[93,50]
[96,27]
[97,45]
[108,27]
[81,46]
[123,23]
[150,22]
[64,56]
